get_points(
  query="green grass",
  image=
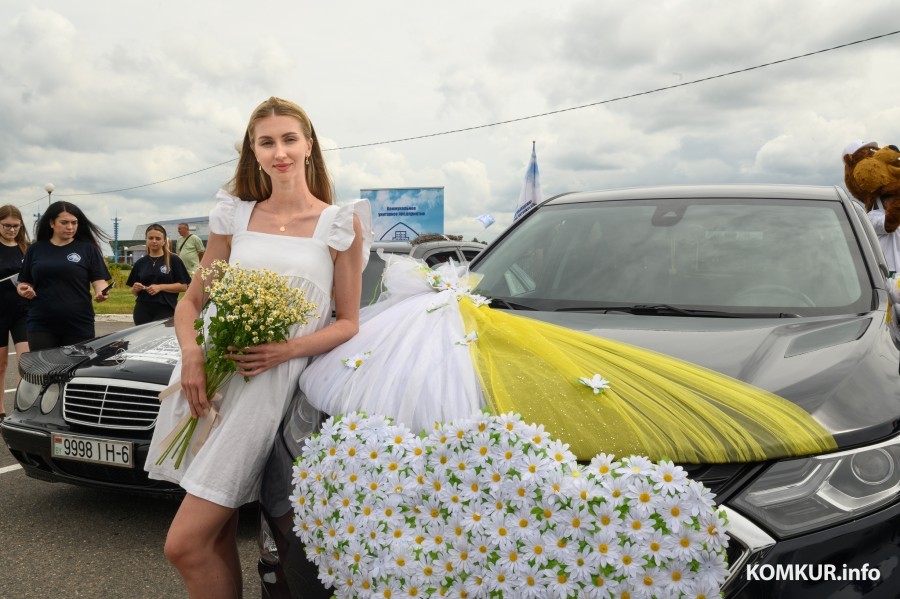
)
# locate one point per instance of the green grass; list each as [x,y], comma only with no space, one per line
[120,301]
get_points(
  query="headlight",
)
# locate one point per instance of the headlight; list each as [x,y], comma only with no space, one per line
[797,496]
[49,398]
[26,394]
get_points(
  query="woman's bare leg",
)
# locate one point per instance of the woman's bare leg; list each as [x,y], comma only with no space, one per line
[202,545]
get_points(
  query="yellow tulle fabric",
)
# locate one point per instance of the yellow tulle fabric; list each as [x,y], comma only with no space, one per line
[656,405]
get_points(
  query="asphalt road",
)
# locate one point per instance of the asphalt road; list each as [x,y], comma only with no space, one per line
[58,540]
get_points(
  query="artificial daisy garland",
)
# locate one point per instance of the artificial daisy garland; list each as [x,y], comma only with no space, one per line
[493,507]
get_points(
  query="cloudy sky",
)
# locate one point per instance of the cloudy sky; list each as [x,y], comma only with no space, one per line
[99,96]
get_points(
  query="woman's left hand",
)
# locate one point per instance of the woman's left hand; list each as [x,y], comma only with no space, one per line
[152,289]
[257,359]
[100,297]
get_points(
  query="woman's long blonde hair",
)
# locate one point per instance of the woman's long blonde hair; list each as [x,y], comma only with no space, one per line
[22,235]
[252,183]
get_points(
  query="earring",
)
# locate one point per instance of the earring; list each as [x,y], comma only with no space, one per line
[260,166]
[307,161]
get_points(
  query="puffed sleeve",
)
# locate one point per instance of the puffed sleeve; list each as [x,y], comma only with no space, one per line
[341,234]
[221,217]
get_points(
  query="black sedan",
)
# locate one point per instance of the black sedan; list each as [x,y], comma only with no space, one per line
[779,286]
[85,414]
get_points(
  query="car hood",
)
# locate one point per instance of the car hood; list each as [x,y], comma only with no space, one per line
[842,370]
[145,353]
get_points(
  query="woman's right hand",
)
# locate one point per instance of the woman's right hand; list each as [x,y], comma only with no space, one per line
[193,380]
[137,288]
[26,290]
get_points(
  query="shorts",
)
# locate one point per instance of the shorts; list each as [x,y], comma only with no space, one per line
[14,325]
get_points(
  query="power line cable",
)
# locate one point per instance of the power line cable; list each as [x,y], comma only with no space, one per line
[523,118]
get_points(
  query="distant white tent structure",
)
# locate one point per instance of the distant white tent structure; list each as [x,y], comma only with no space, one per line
[530,195]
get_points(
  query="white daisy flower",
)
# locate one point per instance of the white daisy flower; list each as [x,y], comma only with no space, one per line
[529,582]
[649,584]
[699,498]
[559,545]
[655,545]
[712,567]
[577,523]
[586,561]
[643,498]
[559,453]
[534,466]
[474,519]
[631,561]
[510,558]
[501,528]
[675,575]
[634,466]
[596,382]
[608,518]
[712,529]
[613,491]
[468,340]
[560,586]
[600,587]
[686,544]
[535,551]
[668,477]
[356,360]
[461,557]
[675,511]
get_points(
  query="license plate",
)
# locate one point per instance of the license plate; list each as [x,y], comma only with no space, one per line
[91,449]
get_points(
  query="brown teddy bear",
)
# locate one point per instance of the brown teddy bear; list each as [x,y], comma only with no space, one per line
[871,174]
[854,153]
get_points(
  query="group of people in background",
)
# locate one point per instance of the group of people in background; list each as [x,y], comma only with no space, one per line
[47,287]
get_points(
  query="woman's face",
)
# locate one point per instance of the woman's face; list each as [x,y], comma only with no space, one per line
[9,228]
[64,226]
[281,147]
[155,241]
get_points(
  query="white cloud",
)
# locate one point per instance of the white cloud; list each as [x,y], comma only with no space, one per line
[110,96]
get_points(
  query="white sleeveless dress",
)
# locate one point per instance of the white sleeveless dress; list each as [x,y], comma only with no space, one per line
[228,467]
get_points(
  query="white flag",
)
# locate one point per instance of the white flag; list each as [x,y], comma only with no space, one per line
[14,279]
[531,189]
[485,219]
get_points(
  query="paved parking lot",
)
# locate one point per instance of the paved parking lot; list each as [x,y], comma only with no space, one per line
[64,541]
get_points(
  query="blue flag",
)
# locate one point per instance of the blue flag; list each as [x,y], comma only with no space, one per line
[531,189]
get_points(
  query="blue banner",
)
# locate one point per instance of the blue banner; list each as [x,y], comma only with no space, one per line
[402,214]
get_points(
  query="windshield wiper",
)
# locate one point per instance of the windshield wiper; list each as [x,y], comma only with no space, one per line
[503,304]
[668,310]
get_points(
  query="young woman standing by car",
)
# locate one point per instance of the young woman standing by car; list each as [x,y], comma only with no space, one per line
[57,272]
[13,243]
[157,278]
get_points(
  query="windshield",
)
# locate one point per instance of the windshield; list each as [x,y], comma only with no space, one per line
[732,255]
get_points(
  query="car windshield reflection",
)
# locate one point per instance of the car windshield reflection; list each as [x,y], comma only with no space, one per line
[737,257]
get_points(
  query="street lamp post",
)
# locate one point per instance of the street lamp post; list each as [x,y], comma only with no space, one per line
[49,189]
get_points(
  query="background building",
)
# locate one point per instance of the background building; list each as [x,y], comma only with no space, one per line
[133,249]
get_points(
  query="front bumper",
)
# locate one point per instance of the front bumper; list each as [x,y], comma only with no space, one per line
[857,559]
[31,445]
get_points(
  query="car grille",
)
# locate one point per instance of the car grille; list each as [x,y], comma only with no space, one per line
[111,403]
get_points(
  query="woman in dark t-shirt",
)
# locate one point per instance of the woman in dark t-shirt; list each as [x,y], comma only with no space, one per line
[157,278]
[13,309]
[58,271]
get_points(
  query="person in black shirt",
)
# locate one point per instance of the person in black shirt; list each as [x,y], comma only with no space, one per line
[57,273]
[157,278]
[13,243]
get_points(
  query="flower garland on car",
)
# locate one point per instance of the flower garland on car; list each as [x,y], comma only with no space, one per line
[493,507]
[251,307]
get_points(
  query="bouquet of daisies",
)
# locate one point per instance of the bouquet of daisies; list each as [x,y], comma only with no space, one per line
[251,307]
[493,507]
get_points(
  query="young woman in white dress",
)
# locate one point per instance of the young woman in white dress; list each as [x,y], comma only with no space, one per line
[278,214]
